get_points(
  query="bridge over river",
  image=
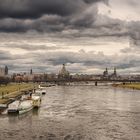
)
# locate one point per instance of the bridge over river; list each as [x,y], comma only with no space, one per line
[95,82]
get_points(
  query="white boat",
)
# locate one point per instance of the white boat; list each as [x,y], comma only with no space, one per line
[36,100]
[26,97]
[25,106]
[41,91]
[37,93]
[13,107]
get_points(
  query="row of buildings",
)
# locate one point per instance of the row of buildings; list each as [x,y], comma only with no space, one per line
[31,76]
[63,74]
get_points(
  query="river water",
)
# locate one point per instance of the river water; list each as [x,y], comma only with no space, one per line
[78,113]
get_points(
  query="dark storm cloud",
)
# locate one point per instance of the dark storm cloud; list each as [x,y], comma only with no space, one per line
[43,24]
[46,15]
[37,8]
[90,1]
[12,25]
[59,16]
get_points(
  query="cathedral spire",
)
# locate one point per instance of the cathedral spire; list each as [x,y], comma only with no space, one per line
[63,73]
[115,72]
[31,72]
[6,70]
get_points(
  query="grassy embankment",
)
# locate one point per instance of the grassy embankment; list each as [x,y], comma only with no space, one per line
[12,90]
[129,85]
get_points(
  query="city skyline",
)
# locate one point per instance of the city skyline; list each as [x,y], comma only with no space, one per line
[87,35]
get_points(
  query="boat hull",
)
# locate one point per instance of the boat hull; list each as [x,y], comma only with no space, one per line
[22,111]
[13,107]
[13,111]
[25,106]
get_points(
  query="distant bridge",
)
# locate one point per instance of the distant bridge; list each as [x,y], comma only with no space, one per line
[94,80]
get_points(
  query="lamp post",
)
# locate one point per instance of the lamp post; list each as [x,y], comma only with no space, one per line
[2,94]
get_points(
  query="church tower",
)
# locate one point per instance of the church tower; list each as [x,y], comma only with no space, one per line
[106,71]
[63,73]
[31,71]
[115,72]
[6,70]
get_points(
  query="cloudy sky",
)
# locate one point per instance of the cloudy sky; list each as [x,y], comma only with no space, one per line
[86,35]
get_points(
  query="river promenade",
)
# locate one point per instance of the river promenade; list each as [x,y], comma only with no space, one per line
[10,92]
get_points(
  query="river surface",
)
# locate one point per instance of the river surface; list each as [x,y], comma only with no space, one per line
[78,113]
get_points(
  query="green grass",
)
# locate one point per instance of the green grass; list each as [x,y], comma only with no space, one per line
[14,87]
[13,90]
[130,85]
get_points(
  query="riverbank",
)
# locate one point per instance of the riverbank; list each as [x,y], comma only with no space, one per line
[128,85]
[13,90]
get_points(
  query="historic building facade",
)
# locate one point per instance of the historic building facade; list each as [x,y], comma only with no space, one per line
[63,73]
[4,71]
[112,76]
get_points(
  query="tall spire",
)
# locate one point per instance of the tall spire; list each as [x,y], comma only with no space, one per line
[6,70]
[63,73]
[115,72]
[63,68]
[31,72]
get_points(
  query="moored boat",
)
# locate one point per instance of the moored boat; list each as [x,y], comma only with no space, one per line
[13,107]
[25,106]
[36,97]
[41,91]
[36,101]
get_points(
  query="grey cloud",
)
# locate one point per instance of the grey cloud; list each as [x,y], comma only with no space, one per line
[77,61]
[90,1]
[46,15]
[48,23]
[63,15]
[134,38]
[31,47]
[12,25]
[37,8]
[87,59]
[5,55]
[134,31]
[84,60]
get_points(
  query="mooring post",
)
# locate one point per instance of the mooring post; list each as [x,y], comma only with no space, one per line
[96,83]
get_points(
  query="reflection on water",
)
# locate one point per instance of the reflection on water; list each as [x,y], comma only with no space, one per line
[78,113]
